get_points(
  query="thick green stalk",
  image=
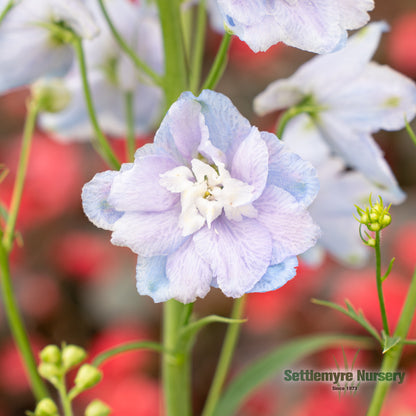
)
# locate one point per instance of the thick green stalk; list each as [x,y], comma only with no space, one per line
[219,64]
[103,147]
[18,329]
[131,139]
[176,73]
[380,285]
[392,357]
[65,400]
[198,47]
[224,361]
[176,363]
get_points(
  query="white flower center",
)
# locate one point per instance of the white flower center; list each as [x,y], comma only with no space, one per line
[205,192]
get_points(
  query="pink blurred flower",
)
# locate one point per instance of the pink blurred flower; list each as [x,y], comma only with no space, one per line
[404,247]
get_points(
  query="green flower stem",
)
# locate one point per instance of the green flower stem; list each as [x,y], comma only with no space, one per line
[226,356]
[291,113]
[103,146]
[198,51]
[131,139]
[65,400]
[32,112]
[392,357]
[175,363]
[18,329]
[141,65]
[130,346]
[380,284]
[219,64]
[176,73]
[6,10]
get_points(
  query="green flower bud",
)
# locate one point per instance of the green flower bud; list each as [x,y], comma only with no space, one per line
[46,407]
[364,219]
[385,220]
[374,226]
[97,408]
[373,216]
[87,377]
[52,95]
[51,354]
[72,355]
[371,242]
[49,371]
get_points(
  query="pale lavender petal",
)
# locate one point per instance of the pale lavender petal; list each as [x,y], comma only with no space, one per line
[289,172]
[151,278]
[292,228]
[380,98]
[138,189]
[353,13]
[359,150]
[276,276]
[239,253]
[188,273]
[95,200]
[149,233]
[250,162]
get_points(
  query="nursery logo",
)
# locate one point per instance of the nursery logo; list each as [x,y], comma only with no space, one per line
[343,380]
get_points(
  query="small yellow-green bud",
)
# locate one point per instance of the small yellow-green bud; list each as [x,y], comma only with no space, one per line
[51,354]
[87,376]
[53,96]
[374,226]
[373,216]
[385,220]
[46,407]
[72,355]
[97,408]
[364,219]
[371,242]
[49,371]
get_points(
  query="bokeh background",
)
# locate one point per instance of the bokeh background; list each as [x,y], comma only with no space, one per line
[72,285]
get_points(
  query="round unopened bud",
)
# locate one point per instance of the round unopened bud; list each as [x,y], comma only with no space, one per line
[97,408]
[373,216]
[72,355]
[375,226]
[371,242]
[51,354]
[46,407]
[364,219]
[53,96]
[386,220]
[49,371]
[87,376]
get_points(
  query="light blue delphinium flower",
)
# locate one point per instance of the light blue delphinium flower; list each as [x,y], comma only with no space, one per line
[212,202]
[112,74]
[31,45]
[348,98]
[316,25]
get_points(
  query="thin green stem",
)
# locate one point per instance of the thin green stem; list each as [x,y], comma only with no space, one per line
[18,329]
[33,109]
[131,139]
[175,365]
[103,146]
[226,356]
[198,49]
[130,346]
[65,399]
[392,357]
[219,64]
[176,72]
[6,10]
[380,285]
[410,132]
[289,114]
[141,65]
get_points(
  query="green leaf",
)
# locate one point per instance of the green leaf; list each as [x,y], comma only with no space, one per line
[267,367]
[389,342]
[352,313]
[386,275]
[410,132]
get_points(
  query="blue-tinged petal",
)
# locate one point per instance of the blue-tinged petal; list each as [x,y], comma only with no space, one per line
[359,150]
[227,127]
[250,162]
[238,253]
[149,233]
[380,98]
[304,138]
[276,276]
[138,189]
[289,172]
[289,223]
[353,13]
[151,278]
[188,273]
[95,200]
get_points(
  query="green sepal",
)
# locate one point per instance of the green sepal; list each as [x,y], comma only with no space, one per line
[389,342]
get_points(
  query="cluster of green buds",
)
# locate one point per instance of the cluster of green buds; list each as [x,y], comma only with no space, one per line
[375,218]
[54,364]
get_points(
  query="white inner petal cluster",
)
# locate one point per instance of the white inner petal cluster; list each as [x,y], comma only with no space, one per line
[205,192]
